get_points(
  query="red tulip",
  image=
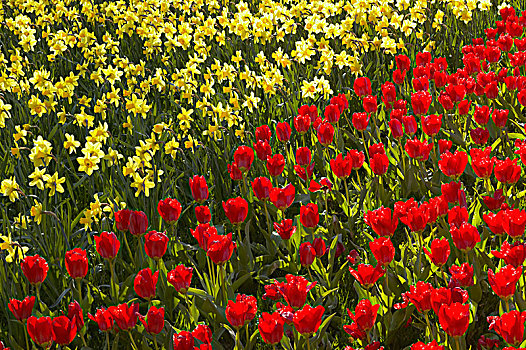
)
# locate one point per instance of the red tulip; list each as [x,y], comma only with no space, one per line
[509,326]
[263,133]
[325,133]
[309,215]
[303,156]
[410,125]
[295,290]
[399,76]
[35,269]
[454,319]
[40,330]
[169,209]
[275,164]
[145,283]
[356,158]
[403,62]
[463,107]
[505,281]
[479,136]
[154,322]
[500,117]
[104,319]
[122,219]
[183,341]
[465,237]
[319,246]
[138,223]
[457,216]
[431,124]
[382,221]
[440,251]
[271,327]
[283,131]
[125,316]
[453,164]
[513,255]
[307,320]
[107,245]
[77,263]
[396,128]
[360,121]
[302,124]
[462,275]
[444,146]
[482,166]
[388,94]
[282,198]
[379,164]
[199,188]
[22,309]
[64,330]
[341,167]
[236,210]
[180,278]
[75,314]
[202,234]
[367,275]
[155,244]
[514,222]
[420,101]
[202,214]
[243,157]
[307,254]
[332,113]
[242,311]
[369,104]
[263,150]
[362,87]
[481,115]
[285,229]
[383,250]
[262,187]
[311,111]
[417,218]
[364,315]
[494,202]
[507,171]
[220,248]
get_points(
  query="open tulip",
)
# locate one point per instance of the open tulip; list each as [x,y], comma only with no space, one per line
[183,341]
[145,283]
[295,290]
[367,275]
[180,278]
[103,318]
[124,315]
[271,327]
[282,198]
[307,320]
[22,309]
[505,281]
[242,311]
[364,315]
[513,255]
[382,221]
[383,250]
[154,322]
[220,248]
[509,326]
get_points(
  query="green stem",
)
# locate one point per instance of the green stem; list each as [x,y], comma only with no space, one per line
[223,282]
[247,334]
[155,343]
[112,282]
[457,342]
[308,342]
[134,346]
[25,333]
[107,340]
[79,286]
[347,199]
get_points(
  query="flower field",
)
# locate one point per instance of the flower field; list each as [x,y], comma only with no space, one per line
[262,175]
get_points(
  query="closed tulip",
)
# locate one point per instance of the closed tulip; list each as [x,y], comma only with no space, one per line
[155,244]
[183,341]
[107,245]
[465,237]
[122,219]
[282,198]
[283,131]
[103,318]
[242,311]
[275,164]
[220,248]
[379,164]
[454,319]
[40,330]
[199,188]
[35,269]
[202,214]
[145,283]
[236,210]
[362,87]
[440,251]
[154,322]
[77,263]
[169,209]
[64,330]
[325,133]
[383,250]
[309,215]
[243,157]
[138,223]
[262,187]
[307,254]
